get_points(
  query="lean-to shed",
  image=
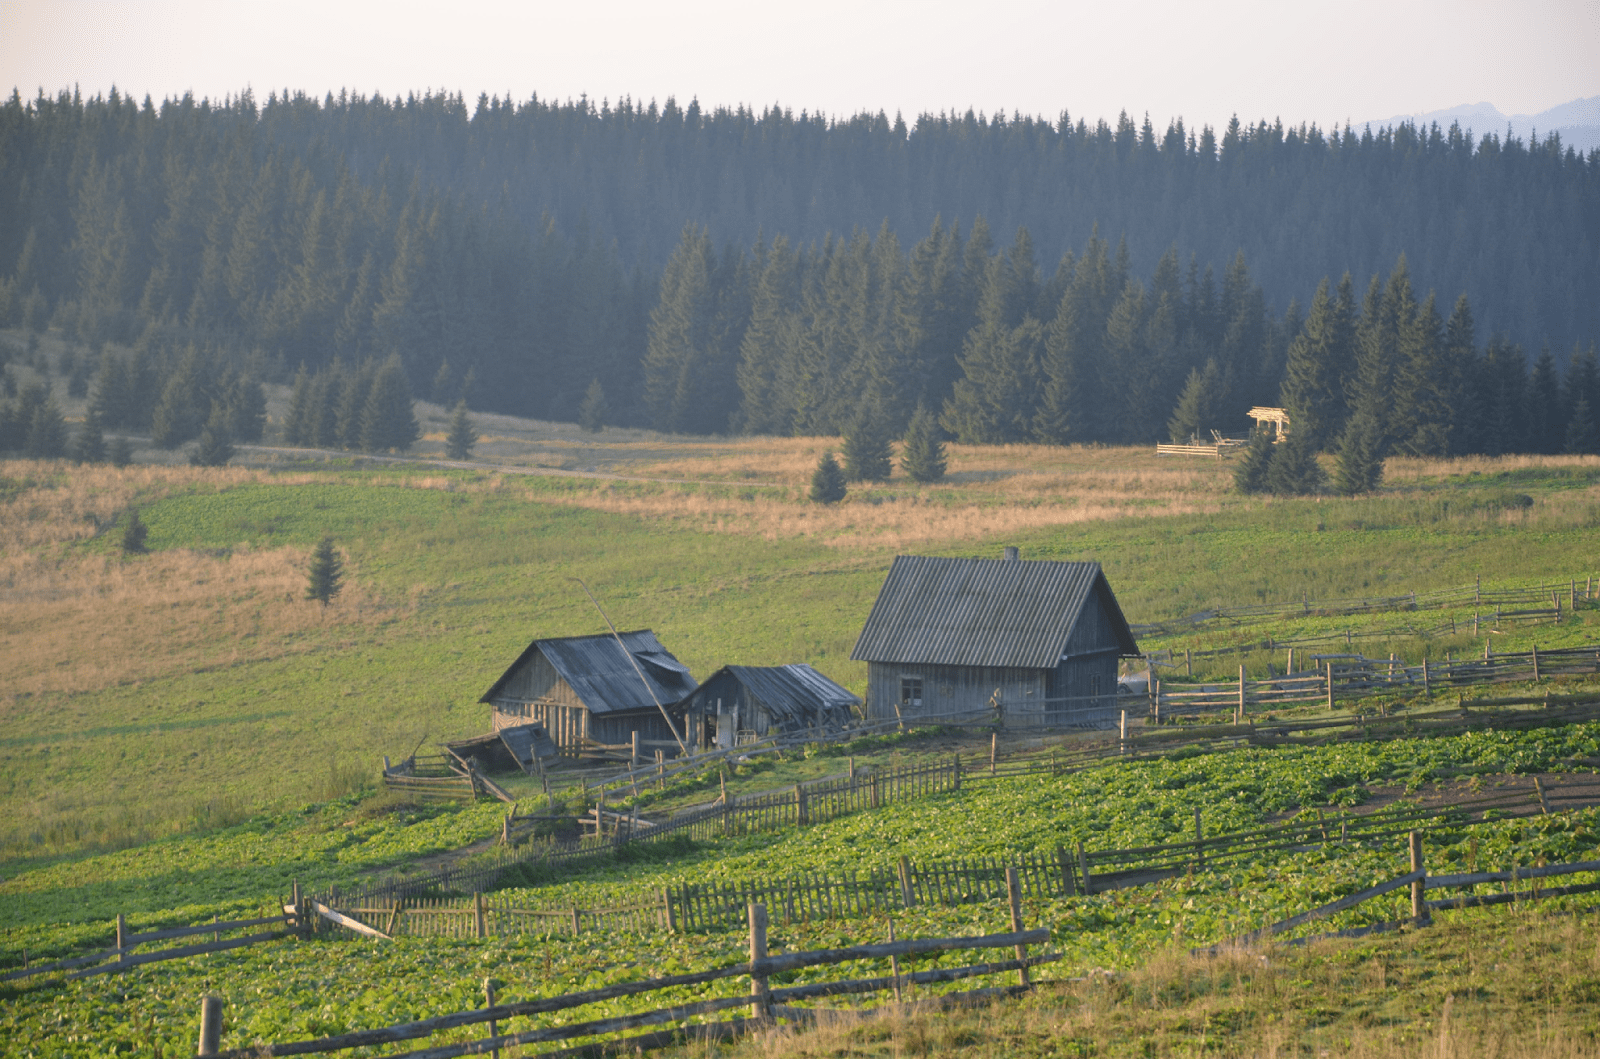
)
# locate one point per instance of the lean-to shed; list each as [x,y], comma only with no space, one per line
[948,635]
[593,688]
[764,700]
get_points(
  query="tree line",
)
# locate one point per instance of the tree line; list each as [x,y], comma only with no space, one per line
[510,255]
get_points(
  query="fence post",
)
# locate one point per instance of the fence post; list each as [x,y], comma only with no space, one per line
[666,904]
[210,1025]
[760,1006]
[574,920]
[1067,885]
[1330,686]
[1014,896]
[894,964]
[851,760]
[1425,689]
[488,1002]
[800,804]
[1157,702]
[478,918]
[957,773]
[299,921]
[1419,907]
[1122,733]
[122,937]
[1199,837]
[1188,664]
[908,896]
[1083,870]
[1240,718]
[633,756]
[994,746]
[1536,663]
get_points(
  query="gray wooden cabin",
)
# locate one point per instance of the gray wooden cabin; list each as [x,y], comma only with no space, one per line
[757,701]
[590,688]
[946,635]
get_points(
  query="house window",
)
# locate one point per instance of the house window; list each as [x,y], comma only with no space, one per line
[911,692]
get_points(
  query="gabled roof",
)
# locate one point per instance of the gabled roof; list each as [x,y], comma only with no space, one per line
[603,676]
[798,694]
[984,612]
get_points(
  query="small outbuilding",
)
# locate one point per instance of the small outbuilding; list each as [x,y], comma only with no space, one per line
[599,689]
[757,701]
[948,636]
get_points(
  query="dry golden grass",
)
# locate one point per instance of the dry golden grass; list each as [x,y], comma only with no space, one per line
[1398,469]
[72,621]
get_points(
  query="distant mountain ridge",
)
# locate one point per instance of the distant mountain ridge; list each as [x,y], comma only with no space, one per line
[1578,122]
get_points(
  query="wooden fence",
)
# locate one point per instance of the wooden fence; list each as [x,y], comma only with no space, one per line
[795,805]
[763,1002]
[1506,602]
[443,776]
[1345,677]
[889,888]
[123,954]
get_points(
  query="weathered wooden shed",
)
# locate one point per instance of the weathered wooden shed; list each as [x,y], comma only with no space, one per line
[947,635]
[764,700]
[593,688]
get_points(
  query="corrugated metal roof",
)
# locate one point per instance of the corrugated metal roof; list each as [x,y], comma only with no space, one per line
[983,612]
[602,675]
[798,695]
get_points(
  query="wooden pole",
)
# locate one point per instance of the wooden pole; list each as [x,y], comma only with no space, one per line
[1122,733]
[1538,786]
[1330,686]
[210,1025]
[761,1004]
[480,921]
[670,914]
[1083,870]
[1067,885]
[488,1002]
[1536,663]
[1199,837]
[1014,897]
[1239,719]
[1419,907]
[994,748]
[894,965]
[1425,689]
[908,896]
[1188,663]
[122,936]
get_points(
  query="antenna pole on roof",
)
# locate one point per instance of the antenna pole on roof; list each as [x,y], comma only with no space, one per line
[616,636]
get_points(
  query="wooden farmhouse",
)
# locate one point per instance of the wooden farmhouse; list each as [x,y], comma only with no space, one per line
[751,702]
[593,688]
[950,635]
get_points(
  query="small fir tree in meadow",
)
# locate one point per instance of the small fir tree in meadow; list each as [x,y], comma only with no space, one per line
[1293,469]
[120,452]
[594,410]
[462,437]
[134,533]
[325,574]
[89,446]
[827,483]
[1250,473]
[1360,467]
[923,459]
[215,448]
[867,453]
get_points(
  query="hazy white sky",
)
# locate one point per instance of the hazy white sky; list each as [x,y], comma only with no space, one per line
[1327,63]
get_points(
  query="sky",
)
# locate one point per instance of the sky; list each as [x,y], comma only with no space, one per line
[1354,61]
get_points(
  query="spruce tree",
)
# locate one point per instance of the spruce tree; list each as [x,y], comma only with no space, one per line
[827,482]
[1311,392]
[47,432]
[594,410]
[299,426]
[89,446]
[325,574]
[1200,407]
[923,458]
[1582,437]
[1250,473]
[388,419]
[462,437]
[1292,469]
[119,453]
[246,406]
[1361,450]
[215,447]
[867,452]
[134,533]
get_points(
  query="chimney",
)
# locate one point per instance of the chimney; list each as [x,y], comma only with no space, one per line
[1012,555]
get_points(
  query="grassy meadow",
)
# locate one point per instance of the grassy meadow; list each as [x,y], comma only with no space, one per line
[182,733]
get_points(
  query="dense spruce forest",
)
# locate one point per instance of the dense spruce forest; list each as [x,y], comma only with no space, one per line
[728,270]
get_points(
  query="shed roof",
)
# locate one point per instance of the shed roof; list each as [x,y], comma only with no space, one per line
[984,612]
[797,693]
[602,674]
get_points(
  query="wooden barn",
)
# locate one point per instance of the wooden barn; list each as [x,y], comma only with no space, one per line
[593,688]
[947,635]
[757,701]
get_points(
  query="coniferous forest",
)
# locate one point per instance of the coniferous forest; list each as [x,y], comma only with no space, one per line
[1413,290]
